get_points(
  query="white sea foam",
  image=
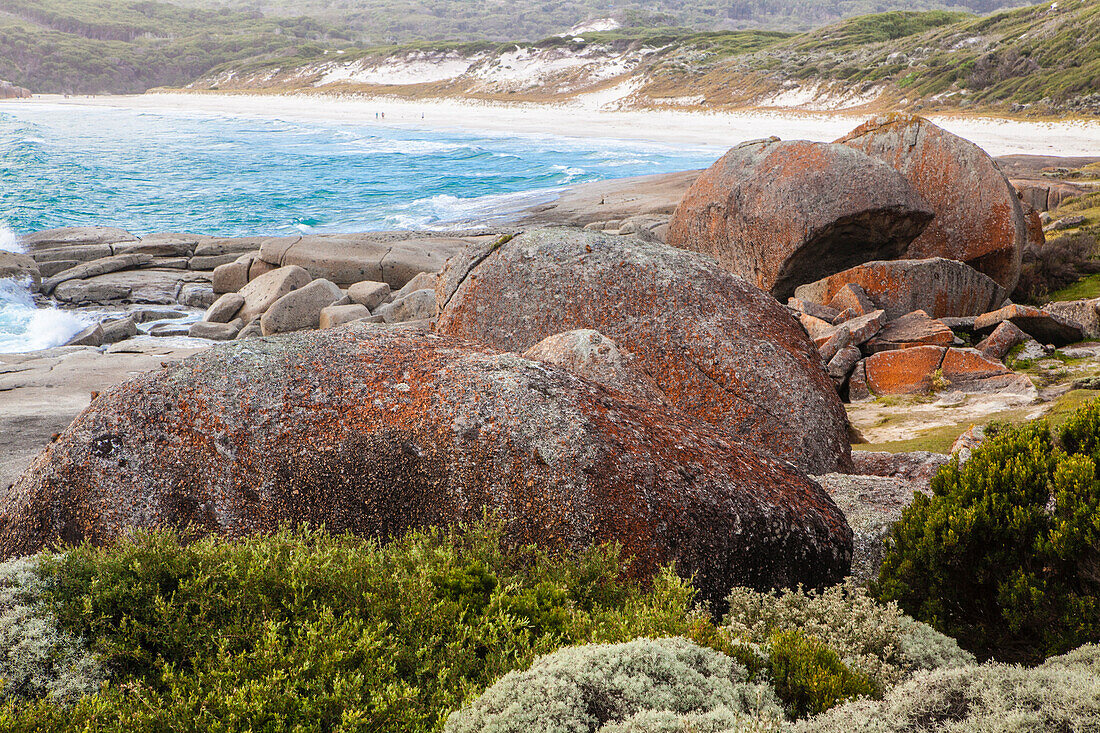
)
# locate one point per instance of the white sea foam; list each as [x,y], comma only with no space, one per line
[9,242]
[23,325]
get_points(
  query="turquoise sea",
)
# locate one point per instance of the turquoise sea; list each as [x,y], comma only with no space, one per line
[245,175]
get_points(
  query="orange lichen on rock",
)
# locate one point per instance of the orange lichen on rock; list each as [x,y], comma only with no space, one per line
[718,348]
[978,217]
[940,287]
[907,371]
[780,214]
[376,431]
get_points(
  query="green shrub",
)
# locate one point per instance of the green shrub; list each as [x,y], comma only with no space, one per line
[36,657]
[809,677]
[1004,556]
[599,687]
[876,640]
[1063,694]
[301,630]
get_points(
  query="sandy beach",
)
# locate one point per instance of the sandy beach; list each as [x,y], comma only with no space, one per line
[586,118]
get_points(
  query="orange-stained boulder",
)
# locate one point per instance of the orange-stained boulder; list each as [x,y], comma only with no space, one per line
[780,214]
[939,287]
[907,371]
[375,431]
[912,329]
[928,368]
[979,220]
[717,347]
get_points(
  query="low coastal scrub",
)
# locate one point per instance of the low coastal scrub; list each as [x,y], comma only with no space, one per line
[1005,555]
[876,640]
[605,687]
[307,631]
[1055,265]
[1063,694]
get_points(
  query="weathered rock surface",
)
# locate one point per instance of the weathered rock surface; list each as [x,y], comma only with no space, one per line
[90,336]
[96,267]
[598,359]
[74,253]
[20,267]
[300,308]
[1004,337]
[230,277]
[369,293]
[83,292]
[42,391]
[1042,325]
[196,295]
[860,330]
[780,214]
[917,467]
[978,220]
[912,329]
[1083,313]
[871,504]
[71,236]
[225,308]
[417,305]
[345,259]
[268,288]
[338,315]
[215,331]
[376,431]
[118,329]
[931,368]
[717,347]
[939,287]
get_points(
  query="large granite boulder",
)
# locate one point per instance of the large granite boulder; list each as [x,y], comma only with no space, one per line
[718,348]
[939,287]
[780,214]
[978,220]
[376,431]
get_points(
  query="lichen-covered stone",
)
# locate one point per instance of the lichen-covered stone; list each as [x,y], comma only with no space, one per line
[1044,326]
[784,213]
[939,287]
[978,219]
[717,347]
[376,430]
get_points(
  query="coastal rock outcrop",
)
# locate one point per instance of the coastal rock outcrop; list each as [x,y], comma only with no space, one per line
[978,219]
[780,214]
[717,347]
[376,431]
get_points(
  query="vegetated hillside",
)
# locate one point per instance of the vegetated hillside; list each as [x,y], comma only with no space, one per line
[1041,60]
[401,21]
[85,46]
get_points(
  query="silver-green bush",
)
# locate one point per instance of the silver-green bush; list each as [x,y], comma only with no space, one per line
[602,687]
[1062,695]
[36,657]
[875,639]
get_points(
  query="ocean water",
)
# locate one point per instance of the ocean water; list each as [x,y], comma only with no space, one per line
[245,175]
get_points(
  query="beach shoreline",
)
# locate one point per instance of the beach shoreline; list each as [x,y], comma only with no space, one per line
[587,119]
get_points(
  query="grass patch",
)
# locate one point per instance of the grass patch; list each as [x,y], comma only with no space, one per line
[1085,288]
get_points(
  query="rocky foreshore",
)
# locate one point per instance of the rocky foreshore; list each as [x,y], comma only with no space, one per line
[771,302]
